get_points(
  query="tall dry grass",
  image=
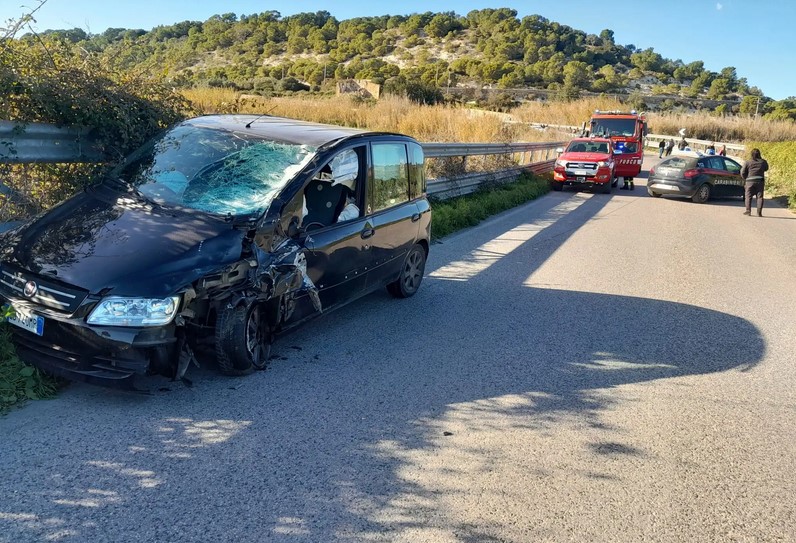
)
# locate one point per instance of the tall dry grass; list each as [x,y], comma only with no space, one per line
[701,125]
[573,113]
[389,114]
[704,126]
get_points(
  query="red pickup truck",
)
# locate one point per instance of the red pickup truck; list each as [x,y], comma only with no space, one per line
[587,162]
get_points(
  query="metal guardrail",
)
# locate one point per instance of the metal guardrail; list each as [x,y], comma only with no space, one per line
[443,189]
[734,149]
[534,158]
[44,142]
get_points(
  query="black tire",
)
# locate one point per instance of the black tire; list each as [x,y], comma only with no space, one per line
[702,194]
[606,188]
[411,274]
[243,343]
[557,186]
[654,194]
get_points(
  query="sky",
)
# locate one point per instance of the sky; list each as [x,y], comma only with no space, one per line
[757,37]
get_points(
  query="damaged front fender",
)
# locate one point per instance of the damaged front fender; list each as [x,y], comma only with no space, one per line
[282,275]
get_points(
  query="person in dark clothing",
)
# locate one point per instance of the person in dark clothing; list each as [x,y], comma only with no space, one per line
[683,144]
[669,146]
[661,148]
[753,173]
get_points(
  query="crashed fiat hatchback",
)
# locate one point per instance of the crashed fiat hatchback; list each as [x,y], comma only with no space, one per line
[226,230]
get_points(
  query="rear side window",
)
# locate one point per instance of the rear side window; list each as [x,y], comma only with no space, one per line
[417,175]
[732,166]
[712,162]
[390,175]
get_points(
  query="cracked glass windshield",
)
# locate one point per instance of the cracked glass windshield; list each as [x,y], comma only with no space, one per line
[215,171]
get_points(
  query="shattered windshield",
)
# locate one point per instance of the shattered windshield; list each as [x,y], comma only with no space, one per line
[213,170]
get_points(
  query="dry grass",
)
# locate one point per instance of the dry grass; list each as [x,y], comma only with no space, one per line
[390,114]
[704,126]
[567,113]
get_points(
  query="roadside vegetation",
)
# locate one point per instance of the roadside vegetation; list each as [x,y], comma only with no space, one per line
[18,381]
[469,210]
[781,177]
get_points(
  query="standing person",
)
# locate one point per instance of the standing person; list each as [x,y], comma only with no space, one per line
[753,173]
[711,149]
[661,148]
[669,146]
[723,150]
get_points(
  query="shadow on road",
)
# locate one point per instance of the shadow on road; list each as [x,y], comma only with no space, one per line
[317,448]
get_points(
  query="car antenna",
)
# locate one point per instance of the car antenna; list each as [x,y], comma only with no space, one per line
[249,124]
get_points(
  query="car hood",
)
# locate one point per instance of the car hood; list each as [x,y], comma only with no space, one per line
[584,157]
[111,244]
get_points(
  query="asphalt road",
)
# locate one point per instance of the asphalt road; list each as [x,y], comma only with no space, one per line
[583,368]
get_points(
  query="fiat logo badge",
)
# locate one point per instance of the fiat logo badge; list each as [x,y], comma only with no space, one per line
[30,289]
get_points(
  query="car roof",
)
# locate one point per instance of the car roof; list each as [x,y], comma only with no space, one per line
[280,128]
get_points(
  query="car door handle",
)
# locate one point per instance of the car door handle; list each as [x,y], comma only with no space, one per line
[416,217]
[368,232]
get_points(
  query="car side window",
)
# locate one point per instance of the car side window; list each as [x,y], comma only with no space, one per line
[417,171]
[711,163]
[732,166]
[716,163]
[390,175]
[333,194]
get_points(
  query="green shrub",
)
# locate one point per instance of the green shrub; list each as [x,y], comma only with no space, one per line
[464,211]
[18,381]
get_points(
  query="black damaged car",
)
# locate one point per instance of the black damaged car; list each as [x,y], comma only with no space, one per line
[232,228]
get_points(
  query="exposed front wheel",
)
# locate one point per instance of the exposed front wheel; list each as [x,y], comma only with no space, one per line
[243,341]
[702,194]
[411,274]
[606,188]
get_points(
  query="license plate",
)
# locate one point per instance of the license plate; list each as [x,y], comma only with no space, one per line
[581,172]
[28,321]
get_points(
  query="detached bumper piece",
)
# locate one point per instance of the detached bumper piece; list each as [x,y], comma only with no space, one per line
[114,372]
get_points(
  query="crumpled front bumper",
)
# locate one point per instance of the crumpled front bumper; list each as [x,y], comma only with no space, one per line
[106,356]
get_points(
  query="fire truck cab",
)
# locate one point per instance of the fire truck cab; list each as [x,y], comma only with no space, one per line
[626,130]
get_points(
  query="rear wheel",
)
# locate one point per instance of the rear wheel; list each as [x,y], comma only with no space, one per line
[411,274]
[557,185]
[702,194]
[243,341]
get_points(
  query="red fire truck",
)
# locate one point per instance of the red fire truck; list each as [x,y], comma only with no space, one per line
[626,130]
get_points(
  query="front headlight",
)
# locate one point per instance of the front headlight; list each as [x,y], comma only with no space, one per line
[118,311]
[603,164]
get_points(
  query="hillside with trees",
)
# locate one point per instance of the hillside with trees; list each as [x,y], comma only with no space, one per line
[421,55]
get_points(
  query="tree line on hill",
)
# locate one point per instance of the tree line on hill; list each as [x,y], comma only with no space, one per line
[417,55]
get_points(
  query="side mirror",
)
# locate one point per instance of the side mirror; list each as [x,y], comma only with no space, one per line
[560,150]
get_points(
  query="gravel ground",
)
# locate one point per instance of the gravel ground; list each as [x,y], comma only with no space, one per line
[583,368]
